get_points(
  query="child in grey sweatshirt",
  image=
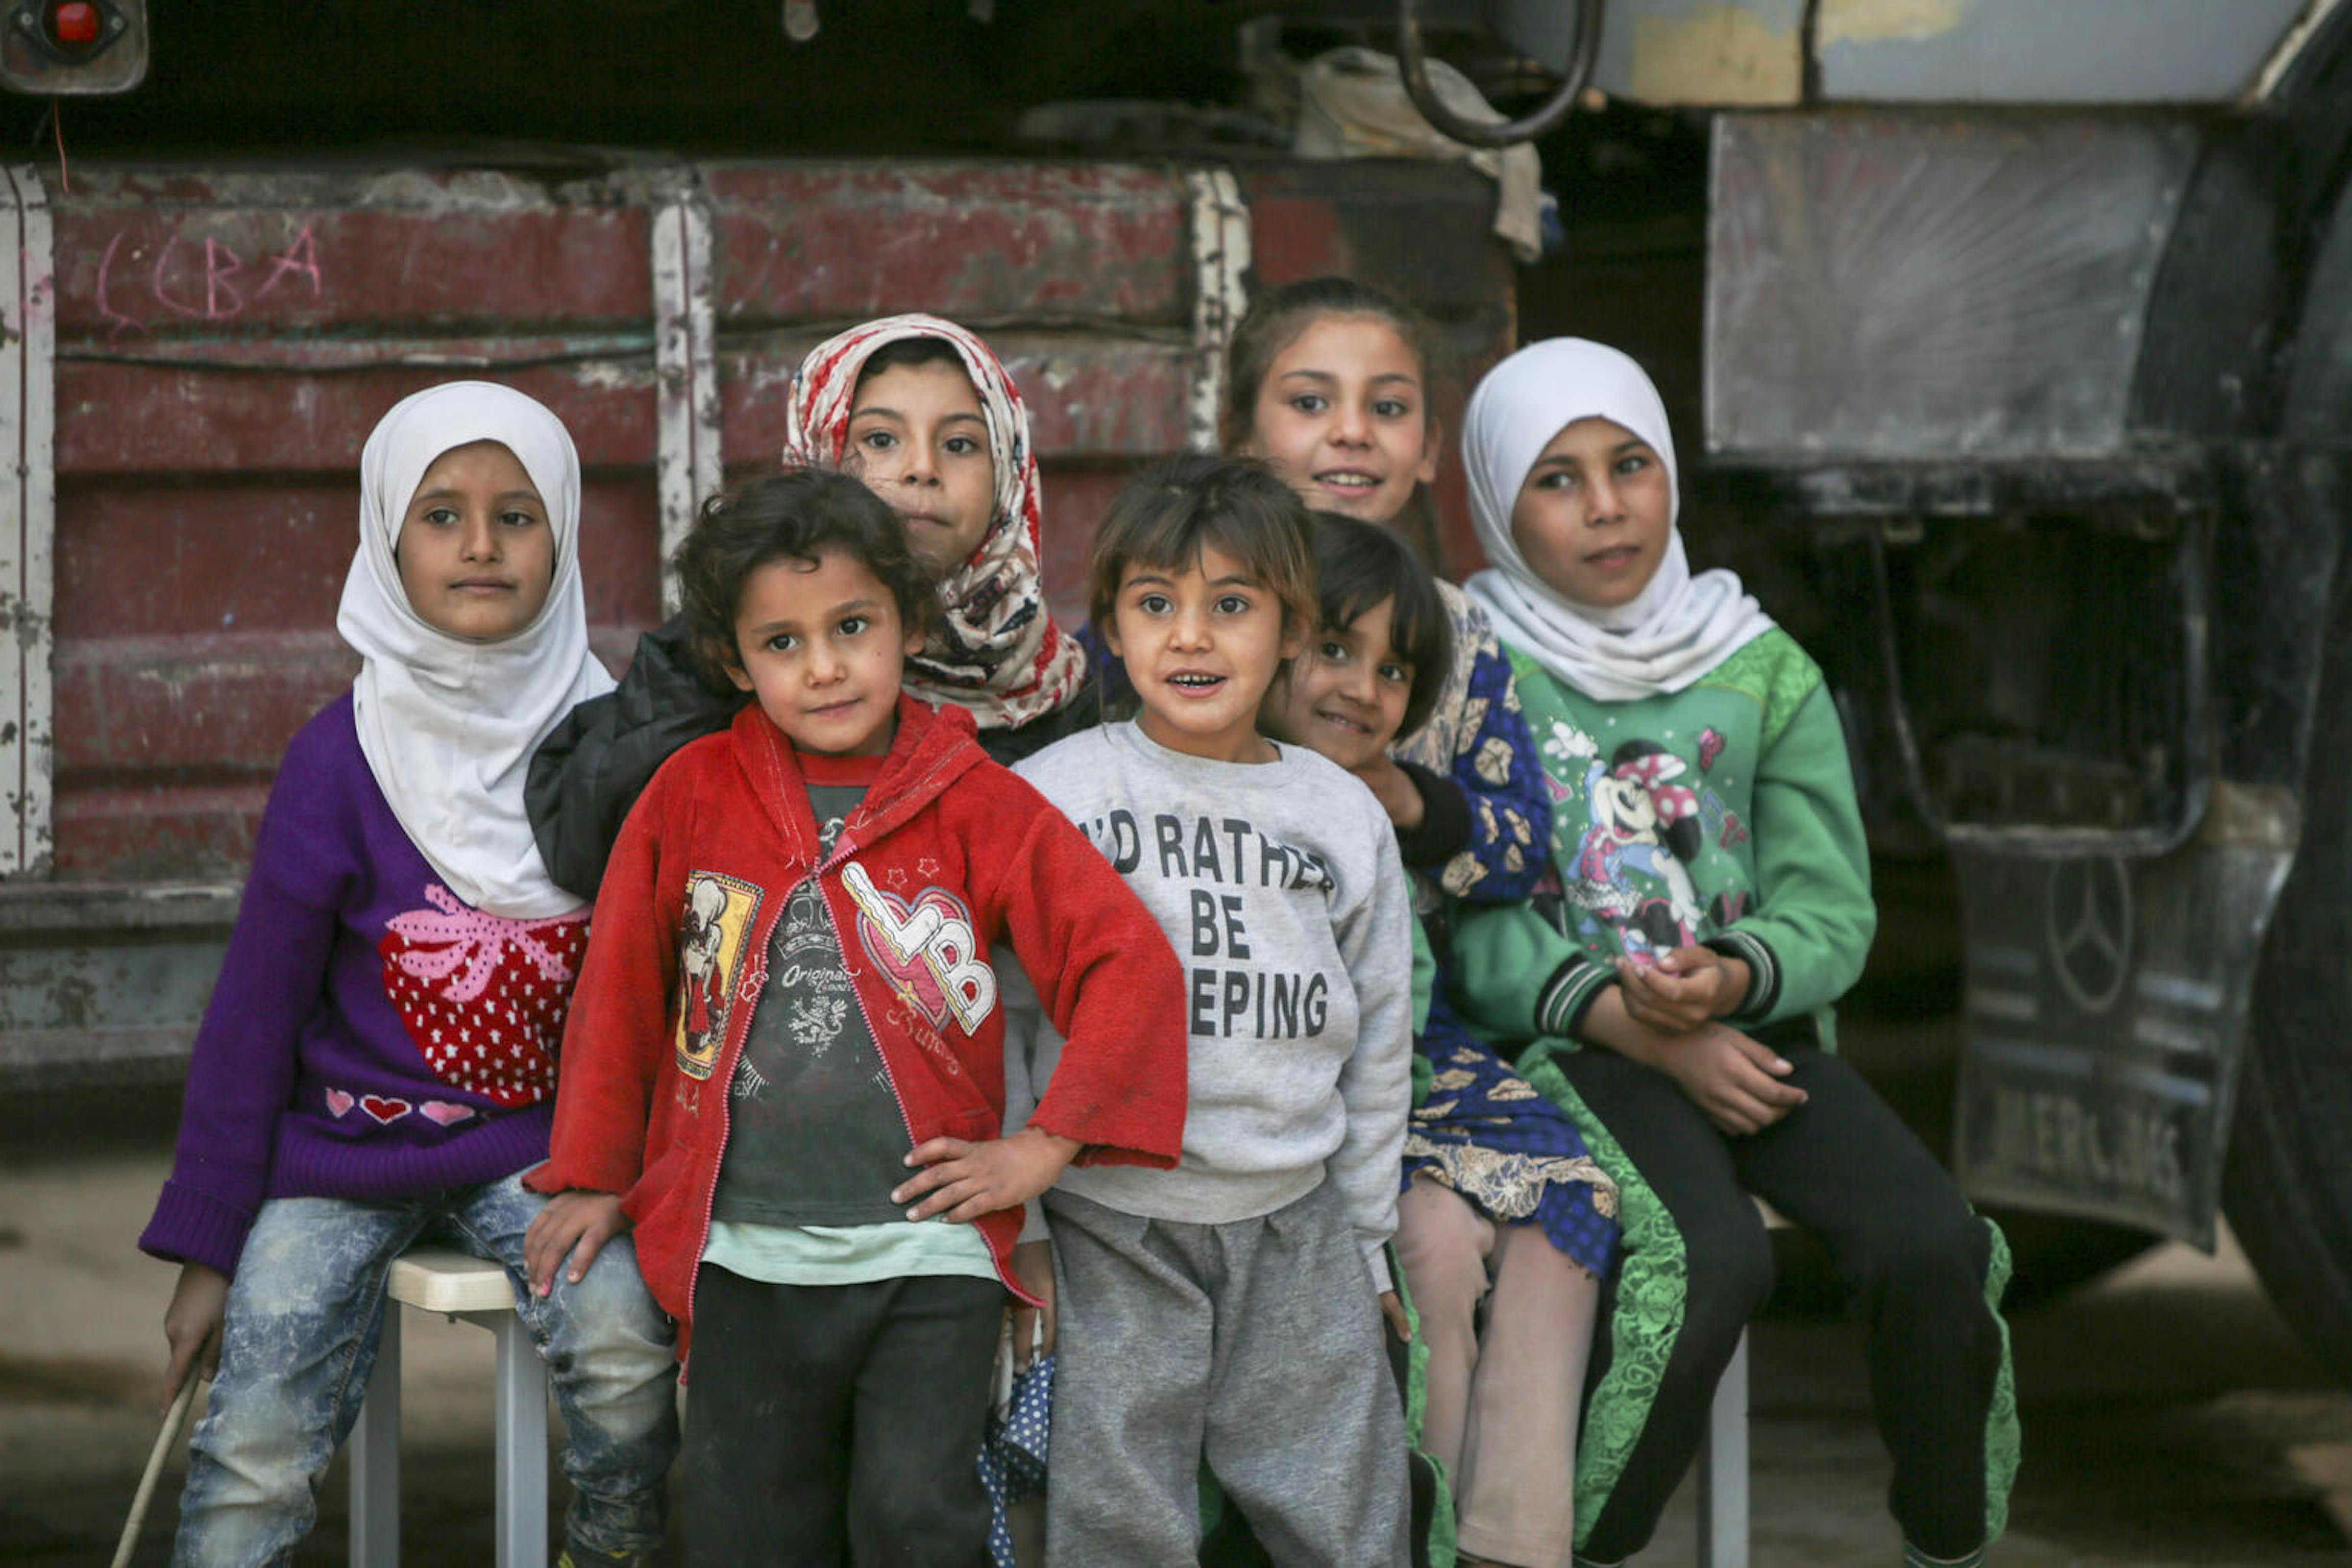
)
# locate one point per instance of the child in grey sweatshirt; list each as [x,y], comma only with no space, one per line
[1226,1308]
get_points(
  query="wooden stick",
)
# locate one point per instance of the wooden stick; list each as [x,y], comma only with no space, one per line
[170,1435]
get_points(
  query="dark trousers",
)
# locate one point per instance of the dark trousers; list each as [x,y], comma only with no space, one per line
[1902,1239]
[837,1425]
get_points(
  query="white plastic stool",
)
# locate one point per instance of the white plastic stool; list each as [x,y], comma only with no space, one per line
[1723,1452]
[1723,1468]
[444,1280]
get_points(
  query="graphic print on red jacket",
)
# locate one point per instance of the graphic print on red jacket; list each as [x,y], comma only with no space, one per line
[948,854]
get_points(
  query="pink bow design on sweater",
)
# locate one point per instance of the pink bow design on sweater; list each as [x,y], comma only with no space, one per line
[478,940]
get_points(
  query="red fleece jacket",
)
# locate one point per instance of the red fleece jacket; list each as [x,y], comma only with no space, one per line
[948,854]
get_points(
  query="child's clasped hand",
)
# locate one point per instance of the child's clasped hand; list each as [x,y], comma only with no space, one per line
[1685,988]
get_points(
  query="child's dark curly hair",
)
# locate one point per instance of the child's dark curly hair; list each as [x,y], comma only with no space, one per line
[799,514]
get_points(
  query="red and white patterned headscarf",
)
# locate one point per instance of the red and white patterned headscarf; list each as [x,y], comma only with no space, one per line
[999,653]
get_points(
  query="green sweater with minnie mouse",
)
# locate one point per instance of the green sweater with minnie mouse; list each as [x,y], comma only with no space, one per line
[1721,814]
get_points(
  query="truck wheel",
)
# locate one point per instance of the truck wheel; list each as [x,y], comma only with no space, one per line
[2287,1185]
[2287,1188]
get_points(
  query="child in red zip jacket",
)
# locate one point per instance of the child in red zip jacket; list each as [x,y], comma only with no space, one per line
[788,1003]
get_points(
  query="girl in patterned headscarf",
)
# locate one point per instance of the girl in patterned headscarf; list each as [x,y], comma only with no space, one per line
[925,414]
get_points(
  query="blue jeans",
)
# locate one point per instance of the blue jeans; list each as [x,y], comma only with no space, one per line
[304,1314]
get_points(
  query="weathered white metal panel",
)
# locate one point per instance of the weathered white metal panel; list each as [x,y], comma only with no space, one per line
[1221,258]
[687,469]
[27,524]
[1901,286]
[2032,51]
[1755,53]
[1712,52]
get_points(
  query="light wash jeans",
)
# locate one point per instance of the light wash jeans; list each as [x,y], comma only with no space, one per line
[304,1314]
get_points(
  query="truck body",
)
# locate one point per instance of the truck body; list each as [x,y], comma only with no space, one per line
[2027,327]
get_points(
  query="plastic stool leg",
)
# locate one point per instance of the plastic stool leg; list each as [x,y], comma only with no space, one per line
[522,1443]
[375,1456]
[1723,1470]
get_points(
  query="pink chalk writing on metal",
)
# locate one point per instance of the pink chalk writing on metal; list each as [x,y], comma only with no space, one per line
[222,299]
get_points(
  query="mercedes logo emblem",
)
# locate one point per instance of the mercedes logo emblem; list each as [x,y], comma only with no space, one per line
[2087,919]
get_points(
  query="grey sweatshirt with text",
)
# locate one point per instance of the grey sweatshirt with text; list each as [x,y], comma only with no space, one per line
[1279,886]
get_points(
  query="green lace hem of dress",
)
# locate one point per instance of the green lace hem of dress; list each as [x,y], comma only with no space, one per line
[2003,1442]
[1652,1281]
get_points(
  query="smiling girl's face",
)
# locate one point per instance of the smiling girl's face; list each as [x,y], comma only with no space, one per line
[1593,515]
[1343,415]
[1346,695]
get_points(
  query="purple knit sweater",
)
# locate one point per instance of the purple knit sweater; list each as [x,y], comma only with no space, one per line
[371,1036]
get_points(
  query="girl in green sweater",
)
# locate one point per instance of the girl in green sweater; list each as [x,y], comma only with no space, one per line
[1712,904]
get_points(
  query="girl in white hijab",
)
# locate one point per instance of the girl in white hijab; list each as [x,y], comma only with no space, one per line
[377,1062]
[1714,903]
[448,718]
[1675,627]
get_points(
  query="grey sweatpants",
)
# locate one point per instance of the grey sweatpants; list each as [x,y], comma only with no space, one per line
[1255,1345]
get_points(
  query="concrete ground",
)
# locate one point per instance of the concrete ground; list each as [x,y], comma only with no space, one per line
[2170,1417]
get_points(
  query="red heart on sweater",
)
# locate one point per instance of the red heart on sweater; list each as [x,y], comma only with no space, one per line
[384,1108]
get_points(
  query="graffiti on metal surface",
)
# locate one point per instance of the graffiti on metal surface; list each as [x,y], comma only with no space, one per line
[194,280]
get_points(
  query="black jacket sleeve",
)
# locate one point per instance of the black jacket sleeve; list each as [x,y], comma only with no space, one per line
[593,766]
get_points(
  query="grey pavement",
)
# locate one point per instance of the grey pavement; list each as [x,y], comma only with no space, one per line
[2170,1417]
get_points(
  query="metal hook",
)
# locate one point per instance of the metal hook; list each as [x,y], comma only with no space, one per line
[1413,58]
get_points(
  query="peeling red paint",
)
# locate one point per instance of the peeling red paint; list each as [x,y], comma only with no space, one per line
[226,341]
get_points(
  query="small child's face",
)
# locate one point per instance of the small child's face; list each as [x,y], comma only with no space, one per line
[1344,418]
[1346,695]
[822,647]
[476,551]
[1594,514]
[1202,643]
[918,440]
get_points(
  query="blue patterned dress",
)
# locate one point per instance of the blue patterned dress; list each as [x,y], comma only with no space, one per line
[1477,1127]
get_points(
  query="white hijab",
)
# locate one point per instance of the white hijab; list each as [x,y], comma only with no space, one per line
[1679,627]
[449,726]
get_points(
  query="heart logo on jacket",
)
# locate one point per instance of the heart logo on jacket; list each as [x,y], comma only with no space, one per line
[925,949]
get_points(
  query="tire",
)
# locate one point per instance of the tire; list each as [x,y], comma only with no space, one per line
[2287,1183]
[2287,1187]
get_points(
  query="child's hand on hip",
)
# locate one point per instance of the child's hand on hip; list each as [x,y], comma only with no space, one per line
[574,1224]
[1683,989]
[1033,1265]
[191,1326]
[962,1181]
[1733,1079]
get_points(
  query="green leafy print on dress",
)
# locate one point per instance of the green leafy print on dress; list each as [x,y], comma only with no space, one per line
[1651,1282]
[2002,1439]
[1439,1542]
